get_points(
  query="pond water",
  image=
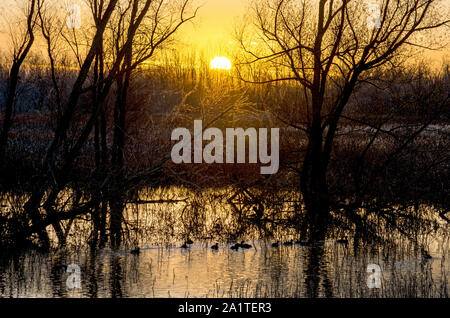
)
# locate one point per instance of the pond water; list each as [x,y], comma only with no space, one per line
[164,269]
[297,271]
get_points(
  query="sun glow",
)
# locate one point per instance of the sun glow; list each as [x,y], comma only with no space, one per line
[221,63]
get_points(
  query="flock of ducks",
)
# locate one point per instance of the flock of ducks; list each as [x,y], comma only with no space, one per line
[259,211]
[215,247]
[244,245]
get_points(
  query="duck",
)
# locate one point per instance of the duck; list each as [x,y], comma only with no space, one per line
[189,241]
[244,245]
[235,246]
[136,251]
[426,255]
[276,244]
[215,246]
[289,243]
[185,245]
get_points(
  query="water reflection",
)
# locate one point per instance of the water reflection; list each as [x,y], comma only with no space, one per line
[295,271]
[163,269]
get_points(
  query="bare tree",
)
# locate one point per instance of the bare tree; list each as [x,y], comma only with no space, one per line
[21,47]
[49,169]
[51,29]
[127,34]
[327,48]
[137,37]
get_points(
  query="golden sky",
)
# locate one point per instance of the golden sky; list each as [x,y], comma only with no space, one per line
[213,26]
[215,22]
[211,30]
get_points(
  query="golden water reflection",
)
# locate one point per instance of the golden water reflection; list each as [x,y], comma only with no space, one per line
[202,272]
[163,269]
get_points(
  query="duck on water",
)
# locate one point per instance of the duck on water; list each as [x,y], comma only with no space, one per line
[242,245]
[136,251]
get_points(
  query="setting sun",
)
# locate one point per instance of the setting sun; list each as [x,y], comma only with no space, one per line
[308,160]
[220,63]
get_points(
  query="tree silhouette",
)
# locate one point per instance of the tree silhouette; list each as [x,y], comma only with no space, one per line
[22,45]
[327,48]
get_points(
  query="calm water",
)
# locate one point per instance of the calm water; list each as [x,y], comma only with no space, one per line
[163,269]
[201,272]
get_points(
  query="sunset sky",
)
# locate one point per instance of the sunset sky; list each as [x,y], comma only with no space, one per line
[215,23]
[211,30]
[216,20]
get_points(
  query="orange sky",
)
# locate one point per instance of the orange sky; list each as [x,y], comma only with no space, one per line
[213,25]
[212,29]
[215,22]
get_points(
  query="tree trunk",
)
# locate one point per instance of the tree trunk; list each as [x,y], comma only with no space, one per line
[315,192]
[32,211]
[14,79]
[313,184]
[7,122]
[117,205]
